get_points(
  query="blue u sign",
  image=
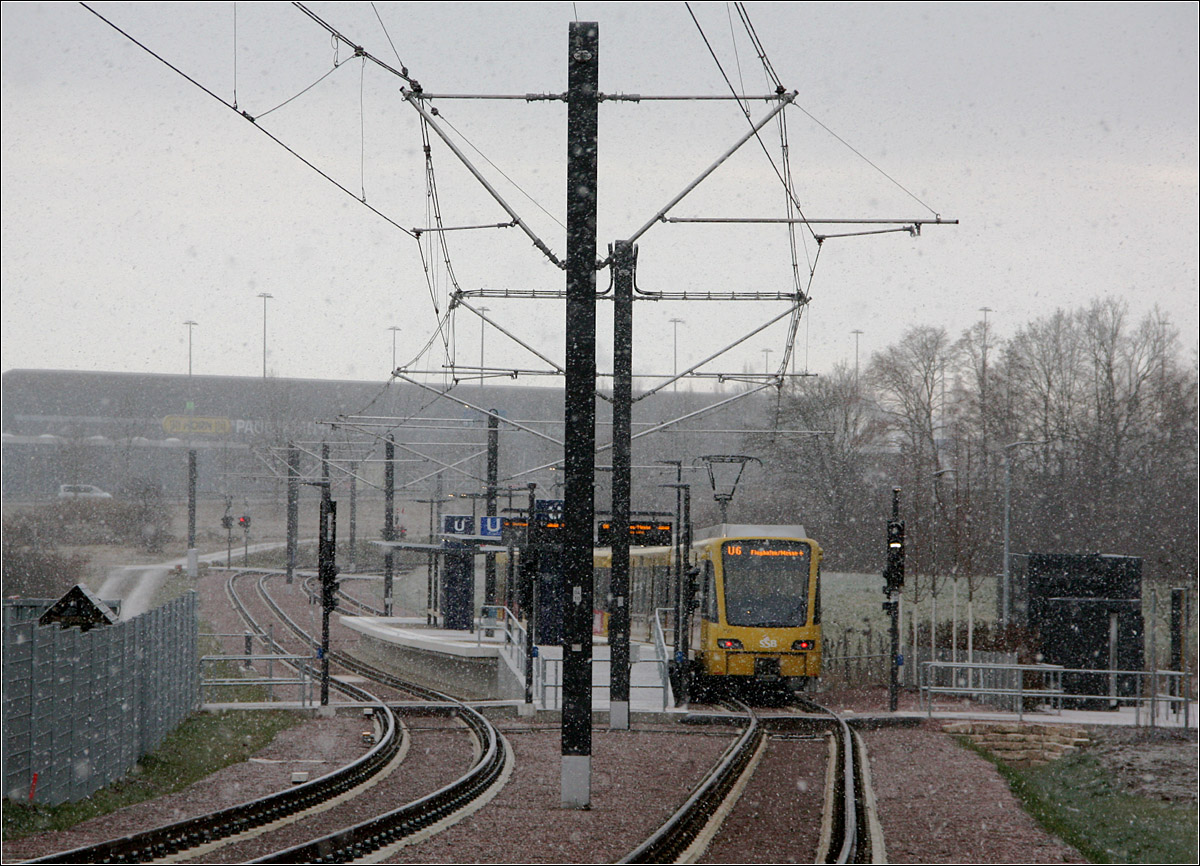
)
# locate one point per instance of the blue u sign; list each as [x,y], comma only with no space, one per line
[457,524]
[491,526]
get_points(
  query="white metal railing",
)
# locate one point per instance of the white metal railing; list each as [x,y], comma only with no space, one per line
[664,656]
[513,640]
[548,675]
[991,680]
[301,664]
[1022,682]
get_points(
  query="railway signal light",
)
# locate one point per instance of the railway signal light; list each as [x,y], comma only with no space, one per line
[244,521]
[893,573]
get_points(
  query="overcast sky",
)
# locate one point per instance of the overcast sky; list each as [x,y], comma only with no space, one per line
[1063,136]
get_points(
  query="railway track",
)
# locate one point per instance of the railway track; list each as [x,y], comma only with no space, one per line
[352,841]
[846,837]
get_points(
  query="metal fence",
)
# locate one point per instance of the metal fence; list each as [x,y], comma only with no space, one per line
[1155,696]
[80,708]
[863,659]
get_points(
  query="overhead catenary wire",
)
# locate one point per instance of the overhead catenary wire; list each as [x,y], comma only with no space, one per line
[779,88]
[444,323]
[250,118]
[499,199]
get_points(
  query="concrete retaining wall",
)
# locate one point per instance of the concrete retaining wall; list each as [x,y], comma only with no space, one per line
[469,678]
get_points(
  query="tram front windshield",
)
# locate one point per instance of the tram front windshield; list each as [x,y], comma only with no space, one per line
[766,582]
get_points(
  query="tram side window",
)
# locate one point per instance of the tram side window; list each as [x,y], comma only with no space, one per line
[817,599]
[710,593]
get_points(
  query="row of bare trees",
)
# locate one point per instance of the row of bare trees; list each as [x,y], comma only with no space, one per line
[1084,421]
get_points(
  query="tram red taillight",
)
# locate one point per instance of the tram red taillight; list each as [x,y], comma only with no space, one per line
[729,643]
[803,645]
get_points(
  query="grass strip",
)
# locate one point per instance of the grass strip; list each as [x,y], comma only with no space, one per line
[1076,799]
[203,744]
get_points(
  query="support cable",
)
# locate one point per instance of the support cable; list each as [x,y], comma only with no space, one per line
[362,130]
[248,117]
[488,412]
[779,89]
[557,367]
[502,173]
[387,35]
[412,100]
[714,356]
[784,100]
[325,75]
[402,72]
[657,428]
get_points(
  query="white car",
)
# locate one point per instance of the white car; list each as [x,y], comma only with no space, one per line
[81,491]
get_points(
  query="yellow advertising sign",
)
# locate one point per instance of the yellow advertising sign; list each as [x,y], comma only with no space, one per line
[191,425]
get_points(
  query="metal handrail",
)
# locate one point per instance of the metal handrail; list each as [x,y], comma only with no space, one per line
[660,648]
[1056,691]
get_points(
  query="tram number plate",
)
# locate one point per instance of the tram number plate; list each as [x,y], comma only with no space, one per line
[766,669]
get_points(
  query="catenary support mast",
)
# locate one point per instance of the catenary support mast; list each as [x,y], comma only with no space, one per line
[579,411]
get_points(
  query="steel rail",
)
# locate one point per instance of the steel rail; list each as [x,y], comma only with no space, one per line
[382,830]
[679,831]
[849,840]
[168,839]
[849,837]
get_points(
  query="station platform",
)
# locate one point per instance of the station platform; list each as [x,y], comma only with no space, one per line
[488,663]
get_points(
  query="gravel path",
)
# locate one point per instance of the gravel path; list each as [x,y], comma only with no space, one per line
[940,803]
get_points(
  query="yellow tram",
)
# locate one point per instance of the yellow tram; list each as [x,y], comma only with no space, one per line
[757,604]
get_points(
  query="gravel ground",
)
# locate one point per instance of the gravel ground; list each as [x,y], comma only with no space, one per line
[778,817]
[317,747]
[639,777]
[1161,764]
[937,801]
[440,752]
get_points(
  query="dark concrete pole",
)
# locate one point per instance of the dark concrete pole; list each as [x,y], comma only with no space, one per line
[193,565]
[389,520]
[579,411]
[293,509]
[624,260]
[326,568]
[493,461]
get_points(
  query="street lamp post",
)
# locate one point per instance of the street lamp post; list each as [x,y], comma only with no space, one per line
[394,329]
[482,331]
[265,297]
[190,324]
[1005,589]
[857,333]
[675,323]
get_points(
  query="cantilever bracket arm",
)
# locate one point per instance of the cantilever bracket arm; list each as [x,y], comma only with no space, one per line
[785,100]
[462,157]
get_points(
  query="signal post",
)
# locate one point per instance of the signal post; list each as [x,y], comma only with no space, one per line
[893,576]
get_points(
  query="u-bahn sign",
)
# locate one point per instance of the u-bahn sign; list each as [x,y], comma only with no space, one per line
[458,524]
[192,425]
[465,524]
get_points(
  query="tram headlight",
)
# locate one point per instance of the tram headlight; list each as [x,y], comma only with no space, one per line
[803,645]
[729,643]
